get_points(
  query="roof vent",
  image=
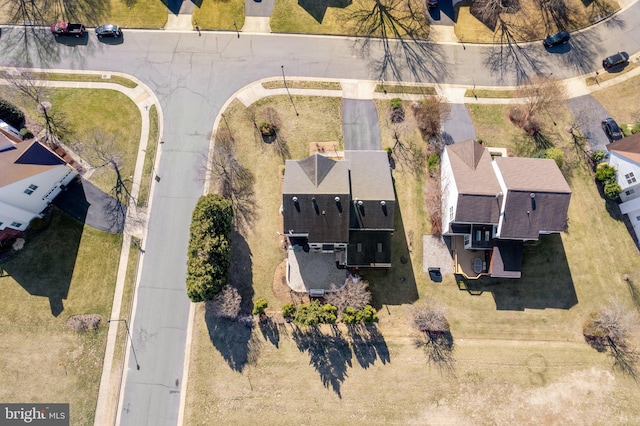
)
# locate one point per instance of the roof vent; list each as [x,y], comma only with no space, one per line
[337,199]
[294,199]
[360,203]
[313,199]
[499,194]
[532,195]
[383,203]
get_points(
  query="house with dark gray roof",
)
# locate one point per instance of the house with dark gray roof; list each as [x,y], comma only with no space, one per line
[491,206]
[345,207]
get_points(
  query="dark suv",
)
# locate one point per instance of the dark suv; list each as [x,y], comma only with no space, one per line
[611,129]
[555,39]
[108,31]
[617,59]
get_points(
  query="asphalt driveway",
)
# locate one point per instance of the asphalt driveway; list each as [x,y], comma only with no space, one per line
[85,202]
[458,127]
[588,114]
[360,125]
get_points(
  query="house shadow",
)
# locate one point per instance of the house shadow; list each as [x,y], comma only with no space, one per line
[330,354]
[173,5]
[44,267]
[545,283]
[318,8]
[395,285]
[368,345]
[233,338]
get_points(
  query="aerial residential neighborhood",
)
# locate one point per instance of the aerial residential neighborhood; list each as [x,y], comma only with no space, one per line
[380,211]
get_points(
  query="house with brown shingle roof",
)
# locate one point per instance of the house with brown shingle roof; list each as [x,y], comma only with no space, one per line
[624,156]
[491,206]
[31,176]
[341,207]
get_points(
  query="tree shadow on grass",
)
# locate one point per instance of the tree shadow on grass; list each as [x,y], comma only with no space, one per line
[439,350]
[44,267]
[368,345]
[330,354]
[233,338]
[271,331]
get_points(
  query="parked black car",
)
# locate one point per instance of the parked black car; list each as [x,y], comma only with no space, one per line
[617,59]
[611,129]
[108,31]
[556,39]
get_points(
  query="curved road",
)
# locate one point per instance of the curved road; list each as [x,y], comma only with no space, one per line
[193,76]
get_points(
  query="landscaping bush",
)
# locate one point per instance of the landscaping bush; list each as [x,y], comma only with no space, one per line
[612,190]
[395,103]
[625,129]
[598,156]
[433,162]
[37,224]
[260,306]
[397,110]
[367,315]
[11,114]
[267,129]
[605,173]
[209,251]
[556,155]
[315,313]
[389,151]
[26,133]
[635,129]
[289,310]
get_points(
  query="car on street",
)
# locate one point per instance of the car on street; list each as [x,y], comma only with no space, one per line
[108,30]
[556,39]
[611,129]
[614,60]
[67,29]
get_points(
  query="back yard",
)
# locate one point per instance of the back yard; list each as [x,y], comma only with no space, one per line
[518,353]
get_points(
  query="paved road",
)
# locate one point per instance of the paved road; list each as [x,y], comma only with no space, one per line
[193,76]
[360,125]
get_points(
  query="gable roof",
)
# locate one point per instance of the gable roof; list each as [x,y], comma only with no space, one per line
[316,174]
[537,197]
[24,160]
[628,147]
[476,183]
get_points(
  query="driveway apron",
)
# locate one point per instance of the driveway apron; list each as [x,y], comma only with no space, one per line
[360,125]
[588,113]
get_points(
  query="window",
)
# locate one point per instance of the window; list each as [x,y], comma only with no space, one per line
[630,191]
[631,179]
[359,247]
[30,189]
[379,247]
[16,224]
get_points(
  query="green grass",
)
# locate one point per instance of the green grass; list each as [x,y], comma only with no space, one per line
[219,14]
[300,84]
[489,93]
[399,88]
[44,360]
[125,13]
[520,337]
[123,81]
[149,157]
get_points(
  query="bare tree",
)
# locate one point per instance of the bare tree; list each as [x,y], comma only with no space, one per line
[32,87]
[610,329]
[355,293]
[404,151]
[430,318]
[225,304]
[434,334]
[430,113]
[540,95]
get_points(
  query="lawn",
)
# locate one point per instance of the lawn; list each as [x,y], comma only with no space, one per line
[622,101]
[529,23]
[522,337]
[119,127]
[149,157]
[67,269]
[219,14]
[125,13]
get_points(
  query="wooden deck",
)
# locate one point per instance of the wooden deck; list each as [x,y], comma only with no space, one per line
[463,260]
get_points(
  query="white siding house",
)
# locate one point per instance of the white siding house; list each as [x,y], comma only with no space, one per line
[624,156]
[31,176]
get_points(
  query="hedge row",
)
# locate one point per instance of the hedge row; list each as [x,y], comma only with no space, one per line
[209,251]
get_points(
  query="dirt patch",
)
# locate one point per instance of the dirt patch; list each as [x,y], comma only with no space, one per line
[331,149]
[84,322]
